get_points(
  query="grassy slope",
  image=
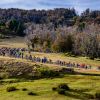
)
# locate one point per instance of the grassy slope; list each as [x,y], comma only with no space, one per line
[13,42]
[56,56]
[85,85]
[79,60]
[50,66]
[43,88]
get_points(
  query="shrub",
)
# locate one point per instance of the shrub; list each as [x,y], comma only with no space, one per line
[90,97]
[4,75]
[10,89]
[1,78]
[31,93]
[54,88]
[49,73]
[24,89]
[67,70]
[63,86]
[61,91]
[97,95]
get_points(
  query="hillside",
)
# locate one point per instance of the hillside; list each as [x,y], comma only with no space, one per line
[13,21]
[39,78]
[17,73]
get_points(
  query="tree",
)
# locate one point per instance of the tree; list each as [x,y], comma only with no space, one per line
[86,42]
[15,26]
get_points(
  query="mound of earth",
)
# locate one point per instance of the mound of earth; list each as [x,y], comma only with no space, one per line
[12,68]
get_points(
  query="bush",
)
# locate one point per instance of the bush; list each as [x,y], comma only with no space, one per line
[54,88]
[61,91]
[63,86]
[24,89]
[91,97]
[1,78]
[31,93]
[4,75]
[49,73]
[10,89]
[97,95]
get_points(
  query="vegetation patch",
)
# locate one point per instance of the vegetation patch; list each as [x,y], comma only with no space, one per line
[54,88]
[49,73]
[97,95]
[11,89]
[32,93]
[61,91]
[24,89]
[11,69]
[61,88]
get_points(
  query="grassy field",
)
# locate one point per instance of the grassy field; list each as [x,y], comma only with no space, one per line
[18,42]
[82,86]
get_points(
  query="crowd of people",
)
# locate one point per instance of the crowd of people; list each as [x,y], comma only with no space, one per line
[12,52]
[20,53]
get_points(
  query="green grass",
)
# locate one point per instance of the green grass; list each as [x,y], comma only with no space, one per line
[85,85]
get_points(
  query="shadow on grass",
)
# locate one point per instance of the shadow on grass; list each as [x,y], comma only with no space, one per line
[32,93]
[89,74]
[79,94]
